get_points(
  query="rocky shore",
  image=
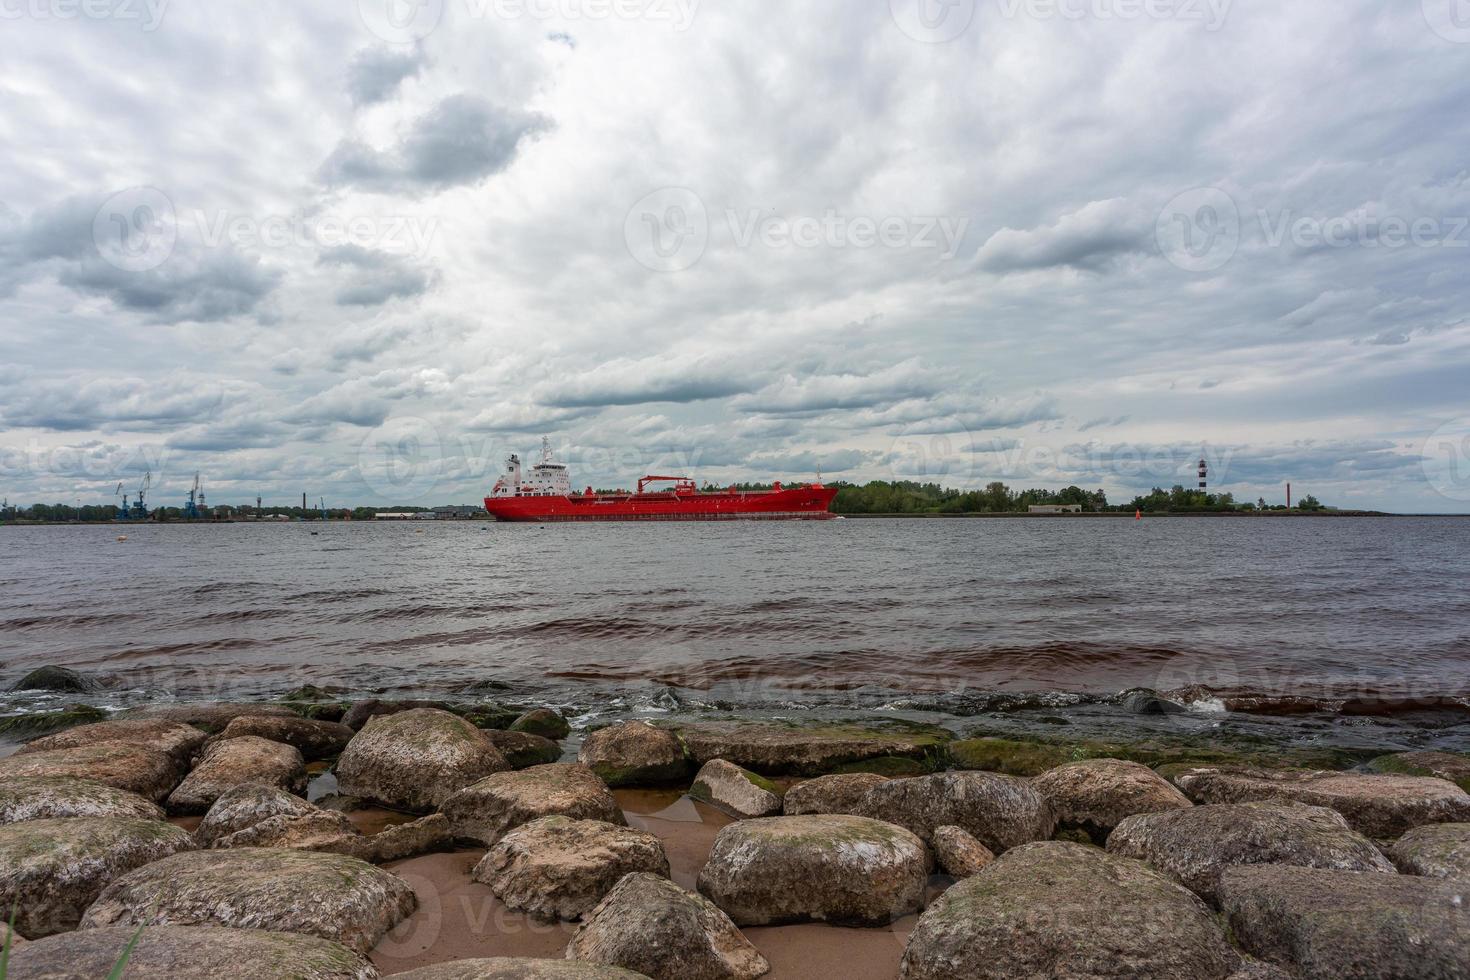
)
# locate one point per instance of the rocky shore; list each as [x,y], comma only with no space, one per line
[313,839]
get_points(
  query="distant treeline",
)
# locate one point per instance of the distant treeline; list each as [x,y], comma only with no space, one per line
[909,497]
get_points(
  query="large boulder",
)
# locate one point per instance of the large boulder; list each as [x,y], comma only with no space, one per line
[366,710]
[1194,846]
[497,804]
[1438,850]
[1326,925]
[738,792]
[313,739]
[169,952]
[1381,806]
[825,868]
[838,793]
[51,870]
[406,840]
[244,806]
[805,750]
[225,765]
[522,749]
[210,716]
[175,738]
[653,927]
[136,768]
[54,678]
[518,968]
[332,896]
[1443,765]
[414,760]
[44,797]
[323,830]
[959,854]
[1094,795]
[543,722]
[1056,909]
[635,753]
[559,868]
[1000,812]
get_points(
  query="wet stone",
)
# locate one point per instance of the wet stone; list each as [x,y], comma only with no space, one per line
[226,764]
[559,868]
[635,753]
[653,927]
[1195,846]
[822,868]
[414,760]
[190,953]
[51,870]
[490,808]
[736,791]
[45,797]
[331,896]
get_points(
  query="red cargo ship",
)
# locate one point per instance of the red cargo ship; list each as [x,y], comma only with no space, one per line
[547,496]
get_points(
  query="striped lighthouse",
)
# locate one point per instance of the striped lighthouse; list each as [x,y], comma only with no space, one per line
[1203,476]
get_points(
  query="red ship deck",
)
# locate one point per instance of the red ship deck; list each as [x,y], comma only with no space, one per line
[792,503]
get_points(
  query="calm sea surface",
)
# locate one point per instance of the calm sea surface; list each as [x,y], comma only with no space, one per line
[1321,629]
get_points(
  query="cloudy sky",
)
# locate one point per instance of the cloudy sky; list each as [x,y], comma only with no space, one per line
[365,250]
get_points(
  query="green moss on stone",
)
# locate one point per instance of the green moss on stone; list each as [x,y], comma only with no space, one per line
[761,782]
[1031,757]
[1399,765]
[895,766]
[49,722]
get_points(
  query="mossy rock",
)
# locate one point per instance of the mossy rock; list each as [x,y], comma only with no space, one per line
[491,716]
[777,747]
[543,722]
[318,710]
[893,766]
[53,678]
[1444,765]
[46,722]
[1031,757]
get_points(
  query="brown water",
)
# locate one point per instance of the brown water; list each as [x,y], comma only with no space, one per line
[1323,628]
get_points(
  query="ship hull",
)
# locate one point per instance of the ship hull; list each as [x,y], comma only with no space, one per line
[794,504]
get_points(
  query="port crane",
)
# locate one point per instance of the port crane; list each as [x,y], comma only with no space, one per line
[122,511]
[195,510]
[140,507]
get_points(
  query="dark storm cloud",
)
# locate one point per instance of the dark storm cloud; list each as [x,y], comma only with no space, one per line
[379,276]
[630,382]
[105,402]
[462,140]
[1089,240]
[200,286]
[374,74]
[192,284]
